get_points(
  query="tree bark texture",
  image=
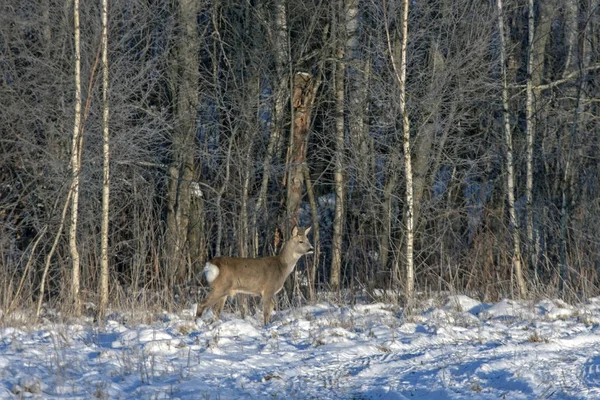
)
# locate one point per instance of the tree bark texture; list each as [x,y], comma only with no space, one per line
[303,97]
[280,39]
[106,168]
[181,168]
[75,166]
[338,219]
[400,75]
[510,184]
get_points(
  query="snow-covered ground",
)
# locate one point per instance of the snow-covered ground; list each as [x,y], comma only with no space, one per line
[461,349]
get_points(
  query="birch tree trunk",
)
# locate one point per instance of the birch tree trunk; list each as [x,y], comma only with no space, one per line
[514,224]
[529,132]
[282,55]
[357,71]
[410,273]
[338,218]
[75,167]
[571,11]
[106,169]
[390,186]
[400,75]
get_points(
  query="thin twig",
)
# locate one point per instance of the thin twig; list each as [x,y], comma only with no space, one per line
[51,253]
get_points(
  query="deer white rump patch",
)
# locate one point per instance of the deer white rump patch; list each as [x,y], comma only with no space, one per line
[211,271]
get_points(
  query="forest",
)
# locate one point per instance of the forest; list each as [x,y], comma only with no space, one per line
[432,145]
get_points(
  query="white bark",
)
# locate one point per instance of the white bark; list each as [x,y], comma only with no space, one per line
[336,250]
[280,39]
[75,167]
[410,273]
[530,131]
[514,224]
[106,169]
[572,59]
[400,73]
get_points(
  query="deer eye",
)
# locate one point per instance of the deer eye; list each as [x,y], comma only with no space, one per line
[301,241]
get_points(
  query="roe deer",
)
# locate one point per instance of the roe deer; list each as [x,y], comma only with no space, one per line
[257,276]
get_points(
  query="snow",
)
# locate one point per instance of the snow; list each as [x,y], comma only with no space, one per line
[458,349]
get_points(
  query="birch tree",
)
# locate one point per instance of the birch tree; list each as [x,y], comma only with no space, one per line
[280,40]
[106,169]
[510,180]
[400,76]
[338,223]
[530,131]
[75,165]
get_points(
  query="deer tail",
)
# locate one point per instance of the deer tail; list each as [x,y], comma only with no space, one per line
[211,271]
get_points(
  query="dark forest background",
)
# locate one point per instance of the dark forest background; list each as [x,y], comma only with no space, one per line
[209,155]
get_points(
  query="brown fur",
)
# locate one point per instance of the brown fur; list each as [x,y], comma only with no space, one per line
[257,276]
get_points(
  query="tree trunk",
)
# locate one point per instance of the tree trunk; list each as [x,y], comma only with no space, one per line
[571,11]
[386,228]
[248,172]
[106,169]
[565,183]
[423,142]
[537,39]
[75,167]
[514,223]
[578,59]
[302,102]
[359,208]
[197,235]
[51,254]
[338,218]
[282,55]
[312,269]
[181,169]
[400,75]
[220,193]
[410,273]
[303,98]
[530,132]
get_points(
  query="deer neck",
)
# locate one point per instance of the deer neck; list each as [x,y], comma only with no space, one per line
[288,258]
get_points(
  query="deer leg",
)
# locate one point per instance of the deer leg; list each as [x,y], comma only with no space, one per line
[243,304]
[219,306]
[268,303]
[209,301]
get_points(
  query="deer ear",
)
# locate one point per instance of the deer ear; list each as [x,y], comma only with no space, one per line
[307,230]
[295,231]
